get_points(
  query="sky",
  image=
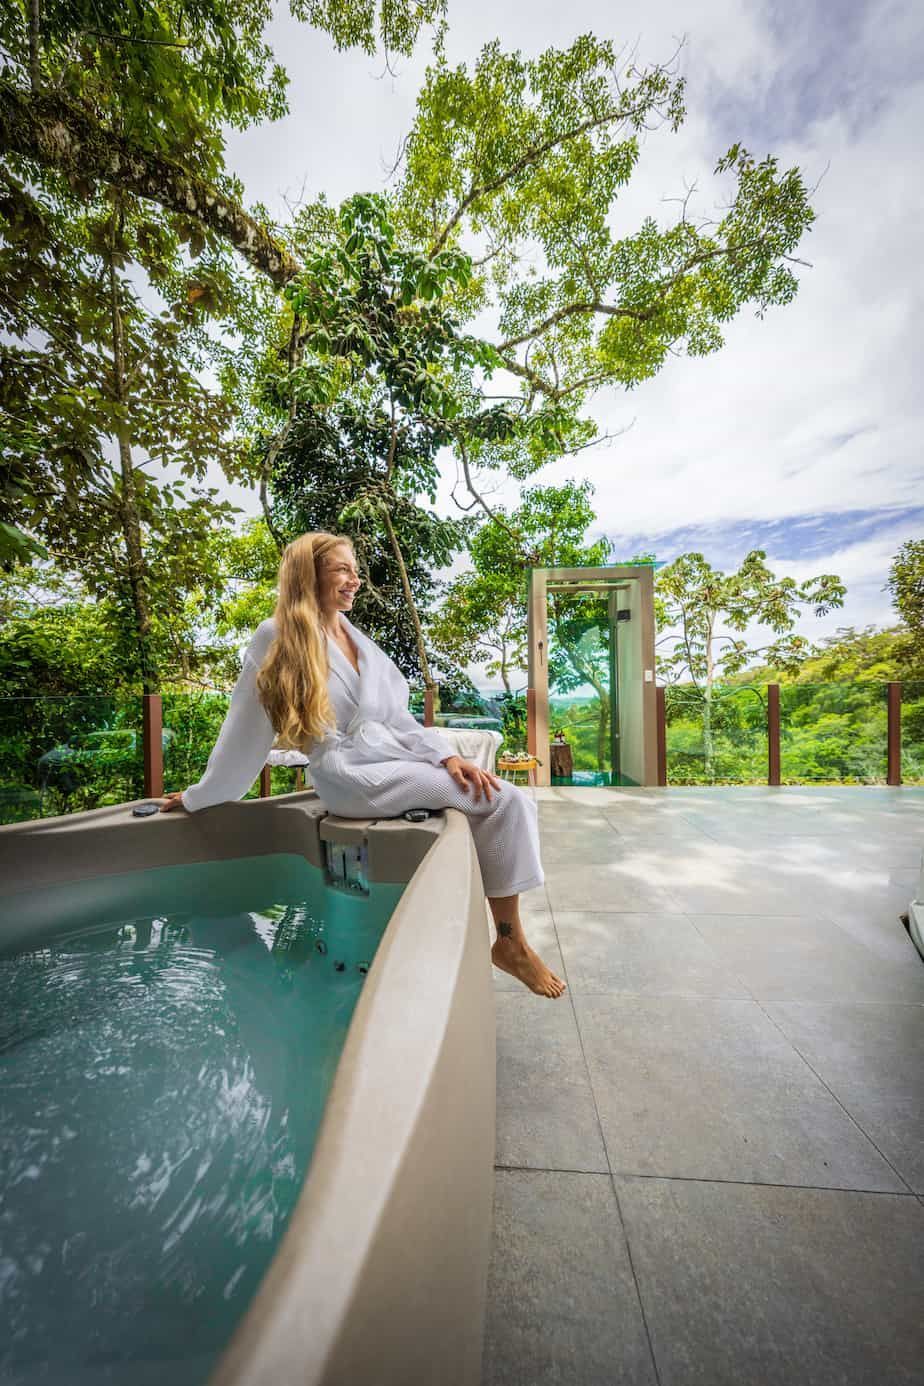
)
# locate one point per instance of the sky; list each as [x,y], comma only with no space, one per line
[802,435]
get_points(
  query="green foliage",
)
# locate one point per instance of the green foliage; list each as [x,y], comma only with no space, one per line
[56,650]
[708,613]
[525,159]
[703,605]
[332,473]
[832,712]
[906,584]
[865,656]
[92,373]
[395,24]
[483,613]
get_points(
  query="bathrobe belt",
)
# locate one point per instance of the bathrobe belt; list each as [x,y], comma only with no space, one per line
[367,740]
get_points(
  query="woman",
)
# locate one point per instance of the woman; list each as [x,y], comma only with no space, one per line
[323,686]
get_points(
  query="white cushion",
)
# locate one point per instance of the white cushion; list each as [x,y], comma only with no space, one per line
[286,758]
[475,744]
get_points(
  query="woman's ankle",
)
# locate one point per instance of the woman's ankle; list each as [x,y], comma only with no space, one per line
[509,931]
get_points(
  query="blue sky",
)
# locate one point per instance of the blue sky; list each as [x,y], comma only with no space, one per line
[802,435]
[790,538]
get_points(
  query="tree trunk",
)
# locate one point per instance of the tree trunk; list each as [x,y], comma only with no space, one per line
[35,39]
[293,361]
[409,598]
[128,501]
[603,727]
[708,747]
[399,559]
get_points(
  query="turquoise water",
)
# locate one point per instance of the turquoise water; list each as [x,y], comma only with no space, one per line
[163,1071]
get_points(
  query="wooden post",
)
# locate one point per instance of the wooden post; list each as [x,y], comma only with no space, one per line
[299,778]
[894,759]
[531,721]
[428,708]
[661,725]
[152,724]
[773,733]
[265,783]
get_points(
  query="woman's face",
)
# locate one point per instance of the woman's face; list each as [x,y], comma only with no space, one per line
[338,579]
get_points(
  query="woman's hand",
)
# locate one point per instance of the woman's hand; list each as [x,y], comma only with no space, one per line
[172,800]
[465,772]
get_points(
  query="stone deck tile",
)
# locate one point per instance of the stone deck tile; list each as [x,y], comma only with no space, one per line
[743,1025]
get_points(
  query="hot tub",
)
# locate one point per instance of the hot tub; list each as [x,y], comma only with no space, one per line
[380,1272]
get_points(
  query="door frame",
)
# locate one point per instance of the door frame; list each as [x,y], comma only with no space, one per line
[632,587]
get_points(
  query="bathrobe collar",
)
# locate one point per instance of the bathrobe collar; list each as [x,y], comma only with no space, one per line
[341,666]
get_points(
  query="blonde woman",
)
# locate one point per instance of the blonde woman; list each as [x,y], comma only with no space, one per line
[310,680]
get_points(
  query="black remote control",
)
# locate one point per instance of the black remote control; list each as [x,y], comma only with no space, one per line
[145,810]
[417,815]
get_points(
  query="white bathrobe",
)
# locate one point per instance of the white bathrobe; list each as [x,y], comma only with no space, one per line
[377,763]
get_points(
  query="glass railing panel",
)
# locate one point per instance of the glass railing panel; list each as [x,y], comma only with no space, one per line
[913,731]
[68,754]
[192,721]
[717,739]
[833,733]
[477,708]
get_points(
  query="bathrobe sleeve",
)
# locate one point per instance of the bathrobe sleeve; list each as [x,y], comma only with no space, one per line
[425,743]
[244,741]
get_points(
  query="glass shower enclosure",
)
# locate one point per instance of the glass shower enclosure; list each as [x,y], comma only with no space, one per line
[591,636]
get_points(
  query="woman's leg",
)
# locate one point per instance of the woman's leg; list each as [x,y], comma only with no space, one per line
[505,832]
[513,954]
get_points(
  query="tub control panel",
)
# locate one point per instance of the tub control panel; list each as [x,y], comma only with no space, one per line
[346,866]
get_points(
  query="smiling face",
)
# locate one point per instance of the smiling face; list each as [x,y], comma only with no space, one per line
[338,580]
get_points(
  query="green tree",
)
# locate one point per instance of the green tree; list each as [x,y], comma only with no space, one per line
[136,96]
[480,621]
[708,611]
[519,158]
[333,473]
[525,159]
[98,387]
[111,132]
[869,655]
[906,584]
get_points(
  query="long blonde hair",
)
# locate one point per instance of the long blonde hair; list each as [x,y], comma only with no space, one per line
[292,680]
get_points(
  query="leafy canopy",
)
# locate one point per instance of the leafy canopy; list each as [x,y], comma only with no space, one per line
[523,161]
[703,605]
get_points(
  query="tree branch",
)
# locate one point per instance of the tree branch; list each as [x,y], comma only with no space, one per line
[492,515]
[532,156]
[35,39]
[637,314]
[60,135]
[570,310]
[127,38]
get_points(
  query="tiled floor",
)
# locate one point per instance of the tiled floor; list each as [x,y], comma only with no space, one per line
[710,1150]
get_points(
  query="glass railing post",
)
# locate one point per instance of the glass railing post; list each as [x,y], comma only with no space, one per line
[894,735]
[661,734]
[773,733]
[152,724]
[531,721]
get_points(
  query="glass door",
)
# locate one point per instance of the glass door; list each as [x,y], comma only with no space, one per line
[583,686]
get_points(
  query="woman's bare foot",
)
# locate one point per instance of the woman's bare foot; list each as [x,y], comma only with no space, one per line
[516,957]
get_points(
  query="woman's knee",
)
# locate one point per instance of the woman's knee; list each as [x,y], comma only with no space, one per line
[511,802]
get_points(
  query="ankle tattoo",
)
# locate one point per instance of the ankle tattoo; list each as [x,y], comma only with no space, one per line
[505,930]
